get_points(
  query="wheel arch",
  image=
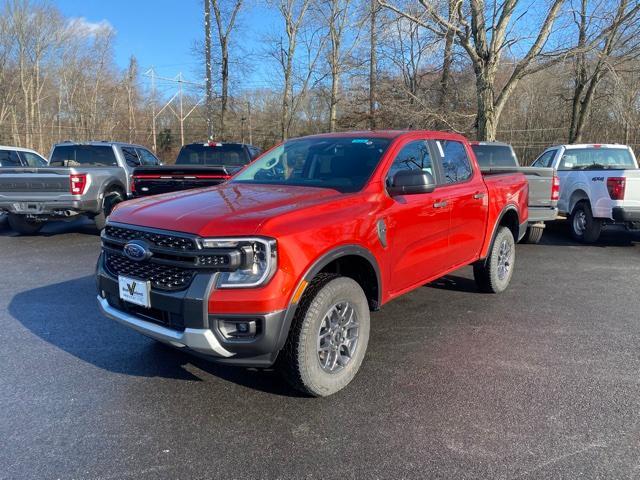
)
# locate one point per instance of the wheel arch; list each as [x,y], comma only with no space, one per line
[509,218]
[577,196]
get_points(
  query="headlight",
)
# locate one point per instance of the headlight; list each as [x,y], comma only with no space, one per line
[259,263]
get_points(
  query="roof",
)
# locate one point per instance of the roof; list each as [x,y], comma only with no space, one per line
[18,149]
[593,145]
[99,142]
[389,134]
[501,144]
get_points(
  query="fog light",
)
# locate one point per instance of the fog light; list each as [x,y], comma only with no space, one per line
[238,329]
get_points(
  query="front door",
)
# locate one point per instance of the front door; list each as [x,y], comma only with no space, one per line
[417,225]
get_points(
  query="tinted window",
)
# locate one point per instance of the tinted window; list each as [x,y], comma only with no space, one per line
[228,155]
[545,160]
[147,157]
[130,156]
[340,163]
[596,159]
[495,155]
[413,156]
[9,158]
[83,155]
[33,160]
[455,163]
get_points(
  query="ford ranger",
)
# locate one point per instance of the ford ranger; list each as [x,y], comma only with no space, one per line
[599,187]
[81,179]
[283,264]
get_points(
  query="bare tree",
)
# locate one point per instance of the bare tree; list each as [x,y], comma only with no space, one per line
[373,61]
[619,43]
[224,29]
[208,68]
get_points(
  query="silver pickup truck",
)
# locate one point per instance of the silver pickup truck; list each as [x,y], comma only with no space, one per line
[544,185]
[81,179]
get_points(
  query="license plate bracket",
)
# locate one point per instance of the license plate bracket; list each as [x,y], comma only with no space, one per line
[134,290]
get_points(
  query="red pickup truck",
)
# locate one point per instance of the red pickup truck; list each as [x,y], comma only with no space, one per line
[283,264]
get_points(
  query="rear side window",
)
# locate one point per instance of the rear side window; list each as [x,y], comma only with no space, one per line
[545,160]
[596,159]
[83,156]
[9,158]
[217,154]
[456,166]
[495,156]
[147,158]
[33,160]
[130,156]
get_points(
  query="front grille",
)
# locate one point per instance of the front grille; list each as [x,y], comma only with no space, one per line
[163,240]
[162,277]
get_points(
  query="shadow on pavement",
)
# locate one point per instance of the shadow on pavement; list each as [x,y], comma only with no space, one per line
[557,234]
[58,227]
[455,283]
[66,316]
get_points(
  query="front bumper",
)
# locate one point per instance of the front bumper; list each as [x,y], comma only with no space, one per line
[186,323]
[626,214]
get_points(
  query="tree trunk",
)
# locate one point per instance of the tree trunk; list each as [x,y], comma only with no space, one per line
[487,118]
[224,99]
[373,64]
[208,70]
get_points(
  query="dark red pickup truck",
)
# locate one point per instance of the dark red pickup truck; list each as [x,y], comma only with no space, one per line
[282,264]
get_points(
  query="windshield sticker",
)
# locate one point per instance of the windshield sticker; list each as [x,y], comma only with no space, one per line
[362,140]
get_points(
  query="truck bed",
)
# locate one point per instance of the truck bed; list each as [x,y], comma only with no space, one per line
[170,178]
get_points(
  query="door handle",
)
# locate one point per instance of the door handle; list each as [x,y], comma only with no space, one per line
[442,204]
[478,196]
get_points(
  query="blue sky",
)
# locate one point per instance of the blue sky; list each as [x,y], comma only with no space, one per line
[161,33]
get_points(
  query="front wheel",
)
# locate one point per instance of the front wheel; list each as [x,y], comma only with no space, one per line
[584,228]
[493,274]
[24,226]
[328,337]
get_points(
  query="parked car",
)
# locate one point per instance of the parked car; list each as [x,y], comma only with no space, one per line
[198,165]
[81,179]
[544,185]
[283,263]
[599,187]
[11,157]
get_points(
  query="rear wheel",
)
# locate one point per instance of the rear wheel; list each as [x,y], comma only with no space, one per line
[23,225]
[111,199]
[328,337]
[533,234]
[584,228]
[493,274]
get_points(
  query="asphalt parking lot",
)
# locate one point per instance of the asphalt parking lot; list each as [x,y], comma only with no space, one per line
[542,381]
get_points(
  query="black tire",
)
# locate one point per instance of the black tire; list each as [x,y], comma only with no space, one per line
[23,225]
[493,274]
[300,359]
[111,199]
[584,228]
[533,234]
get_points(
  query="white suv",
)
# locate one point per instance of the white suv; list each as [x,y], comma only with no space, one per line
[599,186]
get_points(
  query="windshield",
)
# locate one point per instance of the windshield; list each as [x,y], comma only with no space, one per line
[343,164]
[495,155]
[228,155]
[597,159]
[83,155]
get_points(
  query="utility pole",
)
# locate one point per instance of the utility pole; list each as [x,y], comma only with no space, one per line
[207,55]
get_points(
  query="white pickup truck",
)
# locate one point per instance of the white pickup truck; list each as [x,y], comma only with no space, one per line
[599,187]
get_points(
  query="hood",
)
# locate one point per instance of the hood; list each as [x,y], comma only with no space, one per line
[224,210]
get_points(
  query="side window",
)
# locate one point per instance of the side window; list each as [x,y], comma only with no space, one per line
[9,158]
[545,160]
[131,157]
[33,160]
[456,166]
[147,157]
[413,156]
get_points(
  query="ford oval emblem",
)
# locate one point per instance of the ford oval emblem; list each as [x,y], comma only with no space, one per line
[136,250]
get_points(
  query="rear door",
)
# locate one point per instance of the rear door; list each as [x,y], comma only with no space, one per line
[466,195]
[417,225]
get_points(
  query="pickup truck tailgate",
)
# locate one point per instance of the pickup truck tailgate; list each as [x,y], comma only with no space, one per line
[632,188]
[33,183]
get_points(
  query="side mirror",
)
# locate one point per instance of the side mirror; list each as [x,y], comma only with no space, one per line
[410,182]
